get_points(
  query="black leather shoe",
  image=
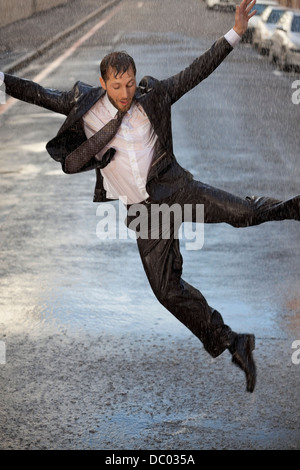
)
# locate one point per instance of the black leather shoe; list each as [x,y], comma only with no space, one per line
[242,356]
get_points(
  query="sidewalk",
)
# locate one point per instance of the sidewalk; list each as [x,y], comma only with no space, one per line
[22,41]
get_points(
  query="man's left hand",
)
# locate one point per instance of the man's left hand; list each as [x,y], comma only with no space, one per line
[243,15]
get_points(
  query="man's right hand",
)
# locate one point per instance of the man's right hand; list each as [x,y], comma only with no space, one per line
[243,15]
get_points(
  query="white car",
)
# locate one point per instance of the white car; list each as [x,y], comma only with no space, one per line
[260,7]
[285,47]
[265,28]
[222,4]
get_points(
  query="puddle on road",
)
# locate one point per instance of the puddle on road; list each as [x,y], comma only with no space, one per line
[198,431]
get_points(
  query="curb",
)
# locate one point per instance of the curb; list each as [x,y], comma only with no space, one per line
[19,63]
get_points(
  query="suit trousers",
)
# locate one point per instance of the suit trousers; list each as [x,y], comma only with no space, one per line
[162,260]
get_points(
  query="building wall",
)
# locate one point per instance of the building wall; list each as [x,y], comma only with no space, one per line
[14,10]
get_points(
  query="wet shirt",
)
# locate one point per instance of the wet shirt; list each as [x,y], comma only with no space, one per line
[126,175]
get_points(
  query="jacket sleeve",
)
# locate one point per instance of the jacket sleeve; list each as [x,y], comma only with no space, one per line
[200,69]
[33,93]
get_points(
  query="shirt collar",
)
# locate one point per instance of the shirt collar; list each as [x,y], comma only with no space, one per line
[112,109]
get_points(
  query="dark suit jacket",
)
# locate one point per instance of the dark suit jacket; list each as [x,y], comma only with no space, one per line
[156,96]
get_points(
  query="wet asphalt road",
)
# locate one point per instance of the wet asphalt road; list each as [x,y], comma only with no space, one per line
[92,360]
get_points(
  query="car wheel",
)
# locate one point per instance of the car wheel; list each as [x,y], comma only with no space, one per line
[283,65]
[272,57]
[255,42]
[263,51]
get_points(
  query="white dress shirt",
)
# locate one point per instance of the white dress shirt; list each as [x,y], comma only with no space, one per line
[232,37]
[125,176]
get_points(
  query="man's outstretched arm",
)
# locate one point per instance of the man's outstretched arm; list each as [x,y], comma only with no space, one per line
[33,93]
[204,65]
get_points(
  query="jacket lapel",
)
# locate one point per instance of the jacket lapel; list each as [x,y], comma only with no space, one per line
[83,104]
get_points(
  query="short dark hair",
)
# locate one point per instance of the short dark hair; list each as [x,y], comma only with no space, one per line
[119,61]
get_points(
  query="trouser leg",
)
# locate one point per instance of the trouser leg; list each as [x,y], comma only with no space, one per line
[221,206]
[162,262]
